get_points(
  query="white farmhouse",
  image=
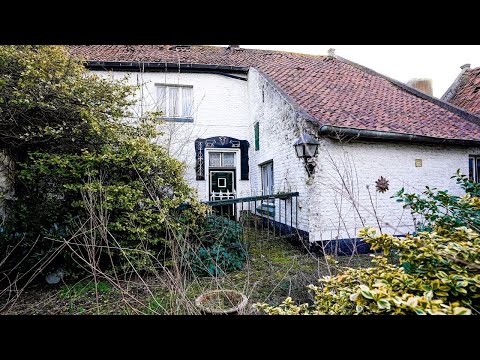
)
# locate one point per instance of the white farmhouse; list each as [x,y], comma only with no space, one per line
[233,116]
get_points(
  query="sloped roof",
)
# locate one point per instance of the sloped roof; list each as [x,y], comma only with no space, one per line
[466,94]
[330,90]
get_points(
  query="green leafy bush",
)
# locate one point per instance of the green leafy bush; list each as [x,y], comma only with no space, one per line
[136,184]
[438,207]
[434,272]
[438,274]
[220,248]
[80,161]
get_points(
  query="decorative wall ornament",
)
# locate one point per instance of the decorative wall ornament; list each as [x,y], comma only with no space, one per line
[381,184]
[221,142]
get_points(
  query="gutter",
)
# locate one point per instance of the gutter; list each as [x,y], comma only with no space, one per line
[224,70]
[337,132]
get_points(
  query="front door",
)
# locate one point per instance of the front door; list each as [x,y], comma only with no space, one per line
[222,187]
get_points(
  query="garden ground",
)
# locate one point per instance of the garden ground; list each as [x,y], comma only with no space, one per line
[275,268]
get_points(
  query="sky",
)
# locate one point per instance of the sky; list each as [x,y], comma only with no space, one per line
[440,63]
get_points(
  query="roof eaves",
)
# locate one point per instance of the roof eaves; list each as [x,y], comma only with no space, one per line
[161,66]
[447,106]
[338,133]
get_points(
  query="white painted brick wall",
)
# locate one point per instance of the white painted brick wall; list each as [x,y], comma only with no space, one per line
[279,128]
[230,107]
[361,164]
[221,109]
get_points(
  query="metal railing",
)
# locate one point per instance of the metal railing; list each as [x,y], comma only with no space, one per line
[276,213]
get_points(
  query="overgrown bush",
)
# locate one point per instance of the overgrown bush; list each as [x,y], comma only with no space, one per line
[80,158]
[437,272]
[220,248]
[438,207]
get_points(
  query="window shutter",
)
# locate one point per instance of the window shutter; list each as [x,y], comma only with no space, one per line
[257,136]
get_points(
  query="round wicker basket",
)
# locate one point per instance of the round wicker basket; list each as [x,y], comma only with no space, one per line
[233,302]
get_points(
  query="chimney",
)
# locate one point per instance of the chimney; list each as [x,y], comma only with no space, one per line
[423,85]
[464,67]
[233,47]
[331,52]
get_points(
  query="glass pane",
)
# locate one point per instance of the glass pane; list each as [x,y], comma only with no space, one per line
[264,180]
[215,160]
[187,102]
[270,178]
[228,159]
[267,179]
[471,169]
[172,101]
[161,99]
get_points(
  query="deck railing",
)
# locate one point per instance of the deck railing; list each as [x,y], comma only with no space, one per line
[277,213]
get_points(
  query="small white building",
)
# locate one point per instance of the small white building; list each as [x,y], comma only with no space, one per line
[233,116]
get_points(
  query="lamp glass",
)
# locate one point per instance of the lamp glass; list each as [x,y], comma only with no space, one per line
[300,149]
[310,150]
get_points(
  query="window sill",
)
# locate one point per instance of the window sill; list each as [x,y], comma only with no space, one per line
[176,119]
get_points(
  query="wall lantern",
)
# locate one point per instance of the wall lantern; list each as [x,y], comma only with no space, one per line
[306,147]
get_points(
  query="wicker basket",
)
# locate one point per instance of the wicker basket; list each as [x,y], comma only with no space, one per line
[235,301]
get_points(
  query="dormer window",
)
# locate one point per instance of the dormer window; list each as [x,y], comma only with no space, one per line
[175,102]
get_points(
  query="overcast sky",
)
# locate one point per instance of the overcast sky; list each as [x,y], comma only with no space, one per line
[441,63]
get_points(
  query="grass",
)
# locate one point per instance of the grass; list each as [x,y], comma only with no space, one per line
[275,269]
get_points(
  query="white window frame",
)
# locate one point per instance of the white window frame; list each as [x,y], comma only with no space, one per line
[265,181]
[221,159]
[179,106]
[207,167]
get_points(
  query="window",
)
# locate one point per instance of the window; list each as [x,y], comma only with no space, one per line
[267,178]
[222,159]
[474,168]
[257,136]
[175,102]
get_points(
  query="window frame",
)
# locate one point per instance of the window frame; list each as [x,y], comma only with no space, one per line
[263,180]
[179,105]
[475,168]
[222,163]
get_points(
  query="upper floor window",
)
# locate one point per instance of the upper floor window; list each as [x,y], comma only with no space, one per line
[175,102]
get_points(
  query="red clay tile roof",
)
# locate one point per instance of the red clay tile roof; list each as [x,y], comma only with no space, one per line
[332,91]
[467,94]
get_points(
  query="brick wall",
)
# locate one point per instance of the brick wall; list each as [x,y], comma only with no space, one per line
[279,128]
[328,208]
[346,206]
[221,109]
